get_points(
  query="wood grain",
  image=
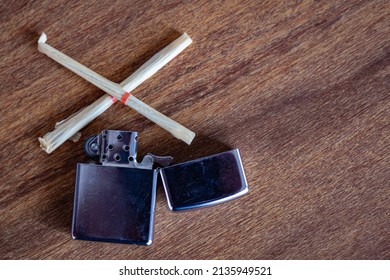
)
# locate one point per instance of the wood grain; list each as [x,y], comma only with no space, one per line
[300,87]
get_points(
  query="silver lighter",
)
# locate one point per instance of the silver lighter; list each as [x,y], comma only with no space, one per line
[115,196]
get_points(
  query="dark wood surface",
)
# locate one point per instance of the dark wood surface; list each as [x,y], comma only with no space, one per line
[300,87]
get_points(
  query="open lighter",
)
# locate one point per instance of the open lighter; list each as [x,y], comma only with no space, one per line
[115,196]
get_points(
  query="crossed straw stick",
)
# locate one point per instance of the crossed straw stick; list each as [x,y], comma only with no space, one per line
[70,126]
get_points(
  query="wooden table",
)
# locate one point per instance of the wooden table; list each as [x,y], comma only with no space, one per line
[300,87]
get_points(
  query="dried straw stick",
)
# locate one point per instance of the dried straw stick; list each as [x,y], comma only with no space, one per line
[66,129]
[69,127]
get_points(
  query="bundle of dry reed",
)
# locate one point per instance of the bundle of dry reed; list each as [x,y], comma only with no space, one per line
[69,127]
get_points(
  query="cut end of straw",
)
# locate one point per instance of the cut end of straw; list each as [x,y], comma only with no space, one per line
[190,138]
[187,37]
[185,135]
[42,39]
[44,145]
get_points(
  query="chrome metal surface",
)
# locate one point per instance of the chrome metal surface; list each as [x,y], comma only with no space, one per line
[114,204]
[115,198]
[204,182]
[118,147]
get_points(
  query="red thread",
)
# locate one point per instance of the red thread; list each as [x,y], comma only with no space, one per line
[114,100]
[126,97]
